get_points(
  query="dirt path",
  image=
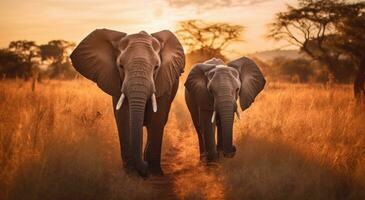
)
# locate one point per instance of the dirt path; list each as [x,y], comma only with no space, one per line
[185,177]
[164,185]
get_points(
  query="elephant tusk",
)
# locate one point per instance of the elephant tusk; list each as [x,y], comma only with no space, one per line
[238,114]
[154,102]
[120,101]
[213,117]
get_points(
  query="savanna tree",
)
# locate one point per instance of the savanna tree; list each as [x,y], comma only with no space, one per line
[309,26]
[350,39]
[207,40]
[28,51]
[12,65]
[324,29]
[56,54]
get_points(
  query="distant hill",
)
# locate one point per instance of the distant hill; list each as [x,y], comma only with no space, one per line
[268,56]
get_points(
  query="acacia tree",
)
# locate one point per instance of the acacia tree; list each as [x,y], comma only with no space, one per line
[326,30]
[23,59]
[208,39]
[56,53]
[350,39]
[28,51]
[11,65]
[310,26]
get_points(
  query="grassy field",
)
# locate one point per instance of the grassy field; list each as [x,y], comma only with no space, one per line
[295,142]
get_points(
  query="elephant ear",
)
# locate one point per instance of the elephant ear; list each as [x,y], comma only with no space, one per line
[95,59]
[196,84]
[252,80]
[172,62]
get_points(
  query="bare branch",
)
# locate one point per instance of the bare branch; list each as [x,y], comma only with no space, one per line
[197,34]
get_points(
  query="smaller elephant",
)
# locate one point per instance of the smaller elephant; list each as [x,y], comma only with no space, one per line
[211,92]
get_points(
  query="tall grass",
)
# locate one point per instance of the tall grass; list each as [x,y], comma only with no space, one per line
[295,142]
[300,142]
[60,142]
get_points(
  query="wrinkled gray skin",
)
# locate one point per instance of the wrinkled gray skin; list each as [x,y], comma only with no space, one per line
[138,60]
[212,90]
[141,73]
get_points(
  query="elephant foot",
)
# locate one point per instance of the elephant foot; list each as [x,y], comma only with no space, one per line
[219,148]
[155,170]
[209,158]
[154,167]
[128,168]
[231,153]
[142,169]
[214,157]
[203,158]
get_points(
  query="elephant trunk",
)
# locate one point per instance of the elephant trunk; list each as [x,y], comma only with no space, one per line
[137,97]
[226,114]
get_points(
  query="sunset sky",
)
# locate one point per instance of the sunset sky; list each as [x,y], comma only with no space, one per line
[44,20]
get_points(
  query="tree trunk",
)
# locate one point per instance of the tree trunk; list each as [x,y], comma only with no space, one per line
[359,83]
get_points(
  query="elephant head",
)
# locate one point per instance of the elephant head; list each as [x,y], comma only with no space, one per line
[138,67]
[219,85]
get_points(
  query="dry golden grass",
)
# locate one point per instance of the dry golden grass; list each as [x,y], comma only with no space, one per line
[295,142]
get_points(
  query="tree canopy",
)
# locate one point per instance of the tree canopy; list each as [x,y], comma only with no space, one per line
[206,39]
[329,31]
[56,53]
[23,59]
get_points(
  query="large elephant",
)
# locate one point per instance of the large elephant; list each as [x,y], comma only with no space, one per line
[141,73]
[211,92]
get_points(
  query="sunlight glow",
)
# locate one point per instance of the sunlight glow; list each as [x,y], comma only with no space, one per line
[44,20]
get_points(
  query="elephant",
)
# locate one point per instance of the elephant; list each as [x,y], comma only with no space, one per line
[141,72]
[211,92]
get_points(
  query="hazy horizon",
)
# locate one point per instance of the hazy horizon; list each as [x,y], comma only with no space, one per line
[45,20]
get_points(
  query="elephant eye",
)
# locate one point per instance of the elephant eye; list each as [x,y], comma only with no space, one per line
[121,66]
[156,66]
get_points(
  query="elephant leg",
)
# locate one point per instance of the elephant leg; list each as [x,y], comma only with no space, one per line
[208,133]
[153,149]
[219,136]
[200,138]
[155,127]
[122,121]
[202,150]
[195,117]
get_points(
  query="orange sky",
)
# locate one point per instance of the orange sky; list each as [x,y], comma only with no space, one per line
[44,20]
